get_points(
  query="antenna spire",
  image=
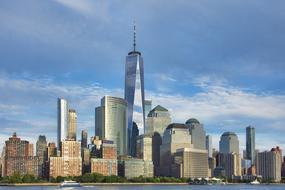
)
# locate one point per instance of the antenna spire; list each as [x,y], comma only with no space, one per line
[134,36]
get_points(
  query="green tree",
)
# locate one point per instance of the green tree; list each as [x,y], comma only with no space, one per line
[29,178]
[15,178]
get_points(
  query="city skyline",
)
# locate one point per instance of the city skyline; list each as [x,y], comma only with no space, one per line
[224,93]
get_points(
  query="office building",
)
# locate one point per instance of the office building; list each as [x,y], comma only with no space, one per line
[130,167]
[85,154]
[18,157]
[190,163]
[41,153]
[147,106]
[51,150]
[62,120]
[69,163]
[105,162]
[250,144]
[72,119]
[229,143]
[157,120]
[269,164]
[134,135]
[176,136]
[144,147]
[111,122]
[209,146]
[197,132]
[84,139]
[134,91]
[232,165]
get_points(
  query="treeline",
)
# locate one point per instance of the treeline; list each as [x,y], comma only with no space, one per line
[91,178]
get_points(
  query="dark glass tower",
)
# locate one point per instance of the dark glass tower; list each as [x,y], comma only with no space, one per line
[250,144]
[134,91]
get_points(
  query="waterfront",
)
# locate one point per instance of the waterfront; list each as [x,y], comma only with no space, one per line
[156,187]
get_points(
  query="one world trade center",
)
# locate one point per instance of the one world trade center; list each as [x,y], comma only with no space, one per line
[134,92]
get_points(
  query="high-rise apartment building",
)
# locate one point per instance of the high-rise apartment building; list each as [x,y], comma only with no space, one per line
[111,122]
[72,119]
[197,132]
[250,144]
[84,139]
[41,153]
[144,147]
[18,157]
[62,120]
[209,146]
[157,120]
[229,143]
[269,164]
[70,161]
[134,91]
[232,165]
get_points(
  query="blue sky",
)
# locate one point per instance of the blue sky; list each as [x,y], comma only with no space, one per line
[221,62]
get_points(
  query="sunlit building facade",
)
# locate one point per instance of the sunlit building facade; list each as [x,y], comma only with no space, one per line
[62,120]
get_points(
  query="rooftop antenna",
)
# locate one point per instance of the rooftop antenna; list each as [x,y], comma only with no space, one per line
[134,36]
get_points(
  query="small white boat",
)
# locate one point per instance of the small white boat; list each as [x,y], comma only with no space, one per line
[70,184]
[255,182]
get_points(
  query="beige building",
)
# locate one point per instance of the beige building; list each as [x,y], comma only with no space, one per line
[176,136]
[133,167]
[190,163]
[71,130]
[70,161]
[157,120]
[269,164]
[144,147]
[106,167]
[232,165]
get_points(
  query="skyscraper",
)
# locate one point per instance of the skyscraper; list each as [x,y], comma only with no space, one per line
[134,90]
[229,143]
[198,133]
[84,136]
[72,118]
[250,144]
[111,122]
[148,106]
[62,120]
[41,153]
[209,145]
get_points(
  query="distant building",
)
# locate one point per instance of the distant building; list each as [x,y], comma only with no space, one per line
[111,122]
[157,120]
[62,120]
[130,167]
[147,106]
[209,146]
[232,165]
[283,167]
[70,161]
[51,150]
[250,144]
[197,132]
[190,163]
[72,119]
[156,143]
[212,165]
[134,135]
[84,139]
[229,143]
[245,166]
[176,136]
[86,164]
[269,164]
[106,161]
[41,153]
[18,157]
[144,147]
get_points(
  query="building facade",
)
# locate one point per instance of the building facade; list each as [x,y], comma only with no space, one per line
[197,132]
[157,120]
[111,122]
[209,145]
[62,120]
[229,143]
[72,120]
[250,144]
[134,91]
[41,153]
[144,147]
[269,164]
[84,139]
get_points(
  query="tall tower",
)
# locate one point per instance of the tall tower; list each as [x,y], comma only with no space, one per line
[134,90]
[250,144]
[72,118]
[62,120]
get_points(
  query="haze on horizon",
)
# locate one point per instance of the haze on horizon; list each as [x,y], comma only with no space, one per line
[221,62]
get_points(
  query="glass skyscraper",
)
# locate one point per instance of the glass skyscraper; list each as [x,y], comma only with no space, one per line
[250,144]
[229,143]
[134,91]
[62,120]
